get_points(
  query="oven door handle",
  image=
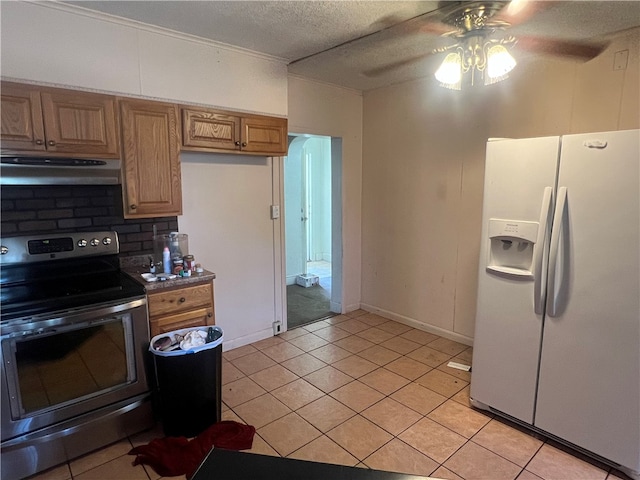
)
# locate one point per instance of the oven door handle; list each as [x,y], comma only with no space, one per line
[45,322]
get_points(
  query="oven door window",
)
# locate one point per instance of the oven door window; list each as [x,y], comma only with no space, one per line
[68,365]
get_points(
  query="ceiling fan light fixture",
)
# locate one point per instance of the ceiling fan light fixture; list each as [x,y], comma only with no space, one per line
[449,74]
[499,64]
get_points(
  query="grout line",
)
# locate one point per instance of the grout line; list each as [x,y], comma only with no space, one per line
[385,396]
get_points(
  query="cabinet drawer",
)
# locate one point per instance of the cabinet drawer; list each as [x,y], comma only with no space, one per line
[192,318]
[180,300]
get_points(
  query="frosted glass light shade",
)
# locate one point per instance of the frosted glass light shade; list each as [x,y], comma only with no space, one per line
[499,64]
[450,72]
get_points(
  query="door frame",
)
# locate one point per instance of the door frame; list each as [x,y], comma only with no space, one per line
[337,294]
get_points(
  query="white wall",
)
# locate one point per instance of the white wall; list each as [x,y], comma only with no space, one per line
[309,157]
[226,198]
[319,151]
[68,46]
[226,201]
[423,168]
[332,111]
[293,205]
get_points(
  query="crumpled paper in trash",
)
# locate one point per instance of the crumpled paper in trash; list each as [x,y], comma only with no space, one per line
[192,339]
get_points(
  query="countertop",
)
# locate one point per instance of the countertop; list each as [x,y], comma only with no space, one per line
[136,266]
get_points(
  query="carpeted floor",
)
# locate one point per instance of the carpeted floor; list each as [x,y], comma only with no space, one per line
[306,305]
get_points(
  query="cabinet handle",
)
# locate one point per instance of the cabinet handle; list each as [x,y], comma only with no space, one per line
[244,144]
[182,300]
[39,142]
[209,314]
[133,207]
[52,143]
[237,143]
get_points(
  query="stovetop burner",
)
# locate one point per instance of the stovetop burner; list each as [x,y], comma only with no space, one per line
[41,274]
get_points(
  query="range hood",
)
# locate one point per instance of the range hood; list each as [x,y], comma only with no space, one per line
[16,170]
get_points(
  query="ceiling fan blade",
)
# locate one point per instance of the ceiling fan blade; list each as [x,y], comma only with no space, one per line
[437,28]
[516,12]
[565,48]
[374,72]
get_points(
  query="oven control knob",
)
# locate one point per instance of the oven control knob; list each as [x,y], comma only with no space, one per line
[106,240]
[3,250]
[82,243]
[95,242]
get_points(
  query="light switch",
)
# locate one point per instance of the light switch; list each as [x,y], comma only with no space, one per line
[275,211]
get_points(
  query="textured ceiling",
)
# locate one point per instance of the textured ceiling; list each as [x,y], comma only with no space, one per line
[337,41]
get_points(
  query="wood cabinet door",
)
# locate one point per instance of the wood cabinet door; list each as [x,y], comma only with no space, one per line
[191,318]
[209,129]
[266,135]
[80,123]
[21,112]
[151,159]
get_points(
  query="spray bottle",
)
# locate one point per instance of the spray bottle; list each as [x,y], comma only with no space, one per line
[166,260]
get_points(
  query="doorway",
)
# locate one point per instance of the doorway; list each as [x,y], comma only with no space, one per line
[312,208]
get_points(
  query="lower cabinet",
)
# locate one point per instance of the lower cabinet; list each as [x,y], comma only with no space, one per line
[173,309]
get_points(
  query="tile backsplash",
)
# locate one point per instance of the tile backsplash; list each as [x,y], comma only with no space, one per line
[35,210]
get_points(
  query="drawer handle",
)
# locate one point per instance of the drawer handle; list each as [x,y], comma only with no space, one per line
[209,314]
[182,300]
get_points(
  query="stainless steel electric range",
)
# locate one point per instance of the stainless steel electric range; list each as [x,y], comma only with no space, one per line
[74,337]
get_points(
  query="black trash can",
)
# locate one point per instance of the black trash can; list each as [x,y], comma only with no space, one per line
[188,381]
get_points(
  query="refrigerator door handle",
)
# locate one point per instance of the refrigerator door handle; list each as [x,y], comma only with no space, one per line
[541,244]
[556,232]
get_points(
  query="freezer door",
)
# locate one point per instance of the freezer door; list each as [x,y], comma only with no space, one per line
[519,180]
[589,384]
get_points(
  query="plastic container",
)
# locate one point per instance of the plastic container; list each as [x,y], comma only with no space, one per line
[189,384]
[177,243]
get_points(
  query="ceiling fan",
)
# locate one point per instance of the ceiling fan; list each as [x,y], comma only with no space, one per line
[479,48]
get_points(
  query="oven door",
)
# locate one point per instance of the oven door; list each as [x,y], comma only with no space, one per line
[72,363]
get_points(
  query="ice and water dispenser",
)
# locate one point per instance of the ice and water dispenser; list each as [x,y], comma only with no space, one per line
[511,249]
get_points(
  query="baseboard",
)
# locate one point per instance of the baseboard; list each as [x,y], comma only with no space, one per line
[351,308]
[247,339]
[456,337]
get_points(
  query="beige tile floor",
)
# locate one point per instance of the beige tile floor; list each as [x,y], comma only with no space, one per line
[361,390]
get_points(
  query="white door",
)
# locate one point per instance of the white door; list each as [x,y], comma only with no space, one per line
[507,335]
[589,386]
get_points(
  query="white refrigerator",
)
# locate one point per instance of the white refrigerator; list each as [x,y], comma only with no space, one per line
[557,339]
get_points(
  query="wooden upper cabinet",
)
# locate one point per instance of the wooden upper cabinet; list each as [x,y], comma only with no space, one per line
[264,135]
[207,130]
[22,123]
[59,122]
[151,159]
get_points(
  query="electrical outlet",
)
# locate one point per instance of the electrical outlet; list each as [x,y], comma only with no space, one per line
[620,60]
[277,327]
[275,211]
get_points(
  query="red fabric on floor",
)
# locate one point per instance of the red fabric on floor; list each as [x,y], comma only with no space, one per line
[172,456]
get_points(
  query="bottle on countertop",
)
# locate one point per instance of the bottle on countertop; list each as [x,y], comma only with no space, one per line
[152,266]
[189,263]
[166,260]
